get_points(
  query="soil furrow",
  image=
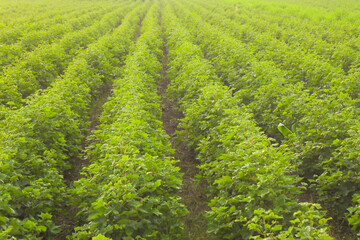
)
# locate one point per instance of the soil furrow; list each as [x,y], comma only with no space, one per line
[193,191]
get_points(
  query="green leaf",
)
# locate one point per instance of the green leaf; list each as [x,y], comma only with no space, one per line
[284,130]
[100,237]
[276,228]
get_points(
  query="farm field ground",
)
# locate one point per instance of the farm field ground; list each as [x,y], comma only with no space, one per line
[179,119]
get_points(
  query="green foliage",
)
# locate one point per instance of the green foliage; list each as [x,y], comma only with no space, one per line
[354,214]
[307,224]
[247,175]
[131,189]
[288,69]
[279,74]
[100,237]
[40,139]
[38,69]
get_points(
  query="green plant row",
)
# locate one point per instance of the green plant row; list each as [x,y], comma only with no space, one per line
[38,69]
[27,43]
[251,187]
[39,141]
[10,34]
[298,64]
[20,18]
[289,30]
[36,29]
[324,123]
[340,21]
[131,189]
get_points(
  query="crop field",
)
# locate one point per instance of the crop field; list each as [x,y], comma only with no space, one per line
[180,119]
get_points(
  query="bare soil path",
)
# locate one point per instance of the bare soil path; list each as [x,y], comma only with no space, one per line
[192,193]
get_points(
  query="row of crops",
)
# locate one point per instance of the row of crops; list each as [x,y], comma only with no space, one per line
[270,104]
[321,109]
